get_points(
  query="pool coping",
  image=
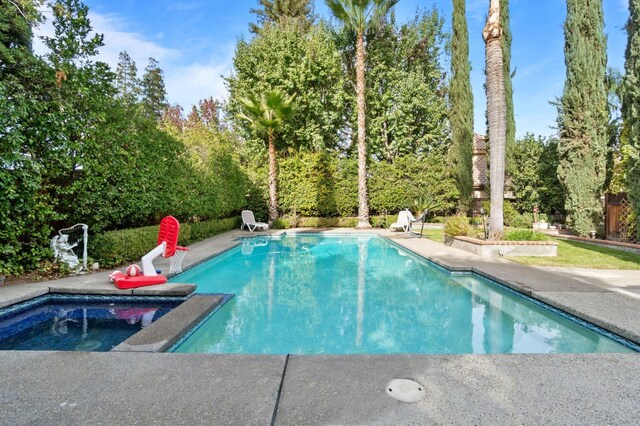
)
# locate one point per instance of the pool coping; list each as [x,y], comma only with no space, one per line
[165,332]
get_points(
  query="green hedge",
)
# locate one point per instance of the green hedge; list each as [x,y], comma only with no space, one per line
[114,248]
[328,222]
[524,235]
[317,184]
[457,226]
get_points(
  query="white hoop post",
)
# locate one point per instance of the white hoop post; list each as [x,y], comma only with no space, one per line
[148,270]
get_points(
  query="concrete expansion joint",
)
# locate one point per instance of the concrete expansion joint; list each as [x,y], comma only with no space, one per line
[277,404]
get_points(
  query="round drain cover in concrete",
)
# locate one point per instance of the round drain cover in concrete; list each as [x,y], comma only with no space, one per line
[406,390]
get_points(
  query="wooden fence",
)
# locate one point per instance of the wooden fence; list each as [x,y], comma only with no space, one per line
[620,222]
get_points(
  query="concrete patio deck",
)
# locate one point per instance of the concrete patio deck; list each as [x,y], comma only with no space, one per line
[75,388]
[151,388]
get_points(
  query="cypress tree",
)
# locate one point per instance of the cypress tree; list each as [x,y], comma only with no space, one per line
[505,23]
[461,115]
[273,11]
[582,119]
[631,105]
[154,94]
[127,79]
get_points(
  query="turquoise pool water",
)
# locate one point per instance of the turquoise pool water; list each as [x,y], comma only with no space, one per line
[321,294]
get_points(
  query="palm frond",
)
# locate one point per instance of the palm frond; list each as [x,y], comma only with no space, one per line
[360,14]
[268,113]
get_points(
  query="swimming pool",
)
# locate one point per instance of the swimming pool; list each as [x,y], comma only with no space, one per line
[78,323]
[344,294]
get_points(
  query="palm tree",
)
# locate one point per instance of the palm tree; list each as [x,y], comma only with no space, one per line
[359,16]
[267,115]
[497,116]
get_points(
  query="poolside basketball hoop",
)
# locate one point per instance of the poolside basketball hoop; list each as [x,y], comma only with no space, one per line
[169,232]
[176,260]
[167,247]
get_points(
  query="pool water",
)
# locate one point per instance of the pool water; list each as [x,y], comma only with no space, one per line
[68,323]
[327,294]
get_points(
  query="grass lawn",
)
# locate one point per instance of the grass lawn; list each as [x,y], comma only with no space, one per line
[573,254]
[434,234]
[581,255]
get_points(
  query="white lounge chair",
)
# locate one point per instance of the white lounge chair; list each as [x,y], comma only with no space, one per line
[403,222]
[249,221]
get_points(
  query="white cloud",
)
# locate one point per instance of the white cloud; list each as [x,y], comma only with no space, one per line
[186,83]
[116,40]
[189,84]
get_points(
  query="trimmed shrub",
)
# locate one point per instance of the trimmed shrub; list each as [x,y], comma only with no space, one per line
[327,222]
[114,248]
[281,223]
[346,194]
[524,235]
[396,186]
[457,226]
[316,184]
[307,185]
[437,219]
[522,220]
[209,228]
[315,222]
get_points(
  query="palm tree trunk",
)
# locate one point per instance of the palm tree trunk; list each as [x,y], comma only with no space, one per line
[273,180]
[497,117]
[363,198]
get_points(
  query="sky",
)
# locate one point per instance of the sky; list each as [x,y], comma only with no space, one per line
[194,42]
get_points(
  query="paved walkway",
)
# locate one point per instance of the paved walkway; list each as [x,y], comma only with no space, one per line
[621,281]
[75,388]
[147,388]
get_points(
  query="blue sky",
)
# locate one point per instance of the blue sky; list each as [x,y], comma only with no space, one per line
[194,42]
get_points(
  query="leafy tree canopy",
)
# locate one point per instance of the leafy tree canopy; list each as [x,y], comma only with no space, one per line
[407,88]
[306,64]
[278,11]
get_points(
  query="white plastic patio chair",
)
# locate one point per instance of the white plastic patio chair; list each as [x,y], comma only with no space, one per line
[402,223]
[249,221]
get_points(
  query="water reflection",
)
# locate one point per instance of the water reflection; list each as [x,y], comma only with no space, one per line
[80,326]
[338,294]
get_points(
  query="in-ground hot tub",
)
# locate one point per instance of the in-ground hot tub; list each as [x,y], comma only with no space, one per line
[79,323]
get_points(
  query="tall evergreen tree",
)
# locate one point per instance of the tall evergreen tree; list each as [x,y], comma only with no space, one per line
[360,15]
[127,81]
[496,116]
[25,94]
[631,105]
[583,118]
[505,23]
[615,155]
[84,86]
[461,99]
[274,11]
[154,94]
[406,97]
[310,64]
